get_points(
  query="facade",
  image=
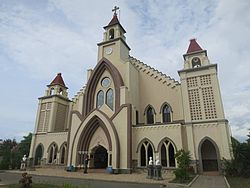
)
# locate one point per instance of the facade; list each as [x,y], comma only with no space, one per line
[129,111]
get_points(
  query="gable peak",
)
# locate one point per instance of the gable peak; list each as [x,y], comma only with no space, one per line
[58,80]
[193,46]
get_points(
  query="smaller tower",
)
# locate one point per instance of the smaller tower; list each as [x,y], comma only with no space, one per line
[114,46]
[200,86]
[195,56]
[53,107]
[57,87]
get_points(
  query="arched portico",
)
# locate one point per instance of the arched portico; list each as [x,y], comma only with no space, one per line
[82,139]
[209,155]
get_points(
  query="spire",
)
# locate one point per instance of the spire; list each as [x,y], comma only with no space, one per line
[193,46]
[114,20]
[58,80]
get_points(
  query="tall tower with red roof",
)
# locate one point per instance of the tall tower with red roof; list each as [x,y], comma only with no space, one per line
[202,103]
[51,122]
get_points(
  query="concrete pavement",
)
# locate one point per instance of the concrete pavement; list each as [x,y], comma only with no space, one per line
[13,178]
[209,182]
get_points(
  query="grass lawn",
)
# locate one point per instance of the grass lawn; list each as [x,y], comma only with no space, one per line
[238,182]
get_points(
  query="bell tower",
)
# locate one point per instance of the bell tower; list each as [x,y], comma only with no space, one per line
[114,46]
[200,86]
[53,108]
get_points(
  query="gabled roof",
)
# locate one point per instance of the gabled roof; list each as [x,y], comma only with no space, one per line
[114,21]
[58,80]
[193,46]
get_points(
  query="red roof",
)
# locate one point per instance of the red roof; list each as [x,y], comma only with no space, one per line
[193,46]
[58,80]
[114,20]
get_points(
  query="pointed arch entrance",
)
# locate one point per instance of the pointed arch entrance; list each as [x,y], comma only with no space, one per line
[85,140]
[100,157]
[38,154]
[208,155]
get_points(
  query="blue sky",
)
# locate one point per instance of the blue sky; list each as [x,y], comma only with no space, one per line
[40,38]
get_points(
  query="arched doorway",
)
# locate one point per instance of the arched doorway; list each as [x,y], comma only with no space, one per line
[100,157]
[38,154]
[209,156]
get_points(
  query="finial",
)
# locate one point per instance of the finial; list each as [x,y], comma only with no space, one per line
[114,10]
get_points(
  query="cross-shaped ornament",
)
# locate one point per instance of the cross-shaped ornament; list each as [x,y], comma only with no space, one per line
[115,9]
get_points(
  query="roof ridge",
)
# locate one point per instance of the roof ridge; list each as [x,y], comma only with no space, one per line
[156,73]
[77,95]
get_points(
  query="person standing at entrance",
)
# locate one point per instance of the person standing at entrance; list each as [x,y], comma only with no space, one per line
[86,161]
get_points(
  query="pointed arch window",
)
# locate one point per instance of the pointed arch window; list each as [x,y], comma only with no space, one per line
[100,99]
[53,153]
[110,98]
[63,154]
[150,115]
[146,151]
[166,113]
[167,154]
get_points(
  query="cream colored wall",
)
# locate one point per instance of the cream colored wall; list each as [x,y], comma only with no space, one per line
[211,70]
[217,132]
[155,134]
[119,56]
[46,139]
[99,138]
[133,94]
[120,122]
[156,93]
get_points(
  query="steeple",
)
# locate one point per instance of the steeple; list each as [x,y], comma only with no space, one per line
[58,80]
[114,40]
[195,56]
[57,87]
[193,46]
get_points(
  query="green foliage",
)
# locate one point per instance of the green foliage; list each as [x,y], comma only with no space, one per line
[6,150]
[183,160]
[69,186]
[13,152]
[240,164]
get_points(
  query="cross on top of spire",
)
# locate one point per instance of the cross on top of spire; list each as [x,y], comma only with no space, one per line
[115,9]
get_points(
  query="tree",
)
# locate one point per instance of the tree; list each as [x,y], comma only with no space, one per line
[248,140]
[183,160]
[240,164]
[6,149]
[13,152]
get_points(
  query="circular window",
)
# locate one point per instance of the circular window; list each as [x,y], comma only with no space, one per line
[106,82]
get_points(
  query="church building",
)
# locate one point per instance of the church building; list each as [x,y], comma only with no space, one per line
[128,111]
